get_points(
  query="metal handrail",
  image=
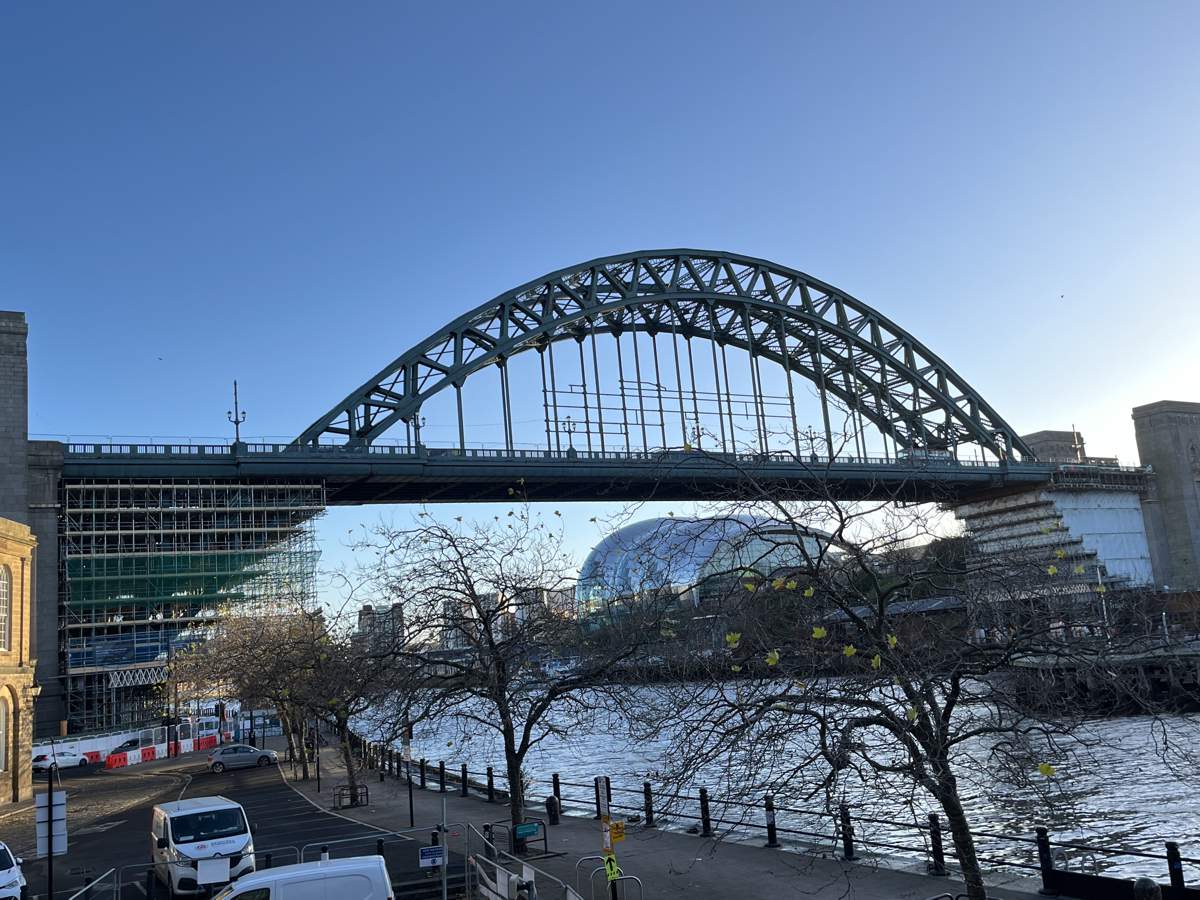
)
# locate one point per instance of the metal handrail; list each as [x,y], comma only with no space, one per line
[83,891]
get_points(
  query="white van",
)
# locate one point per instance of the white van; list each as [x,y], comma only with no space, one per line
[200,841]
[354,878]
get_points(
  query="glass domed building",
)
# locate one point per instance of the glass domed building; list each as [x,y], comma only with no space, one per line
[691,558]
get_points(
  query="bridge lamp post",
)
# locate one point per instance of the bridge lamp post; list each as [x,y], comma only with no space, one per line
[569,427]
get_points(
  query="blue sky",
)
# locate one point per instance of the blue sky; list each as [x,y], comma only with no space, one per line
[292,194]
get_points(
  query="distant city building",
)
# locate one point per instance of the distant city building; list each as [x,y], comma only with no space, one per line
[688,557]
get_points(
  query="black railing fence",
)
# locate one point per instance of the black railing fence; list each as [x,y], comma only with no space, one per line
[1072,868]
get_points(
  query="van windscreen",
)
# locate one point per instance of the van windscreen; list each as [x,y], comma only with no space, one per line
[207,826]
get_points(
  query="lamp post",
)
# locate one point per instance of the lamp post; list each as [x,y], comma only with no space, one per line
[237,415]
[569,427]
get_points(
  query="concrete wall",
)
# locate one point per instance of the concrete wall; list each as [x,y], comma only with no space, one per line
[17,691]
[1168,439]
[14,416]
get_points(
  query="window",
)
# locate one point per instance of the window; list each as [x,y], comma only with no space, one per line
[5,607]
[3,734]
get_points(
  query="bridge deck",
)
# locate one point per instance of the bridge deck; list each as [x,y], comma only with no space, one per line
[383,474]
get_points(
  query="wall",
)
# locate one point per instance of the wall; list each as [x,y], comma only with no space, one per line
[14,416]
[45,474]
[17,689]
[1168,439]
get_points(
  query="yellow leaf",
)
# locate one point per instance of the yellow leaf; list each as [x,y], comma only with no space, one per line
[1051,570]
[732,639]
[1100,589]
[791,585]
[1060,553]
[892,641]
[819,632]
[1078,570]
[773,658]
[511,492]
[876,661]
[809,591]
[449,743]
[736,668]
[849,650]
[1046,769]
[912,714]
[749,585]
[777,583]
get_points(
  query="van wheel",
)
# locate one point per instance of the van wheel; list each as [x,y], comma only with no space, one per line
[264,761]
[83,763]
[218,767]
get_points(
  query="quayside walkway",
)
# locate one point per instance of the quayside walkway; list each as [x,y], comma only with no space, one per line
[670,863]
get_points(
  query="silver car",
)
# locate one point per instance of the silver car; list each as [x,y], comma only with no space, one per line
[240,756]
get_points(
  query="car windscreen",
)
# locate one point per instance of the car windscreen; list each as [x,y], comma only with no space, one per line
[207,826]
[6,860]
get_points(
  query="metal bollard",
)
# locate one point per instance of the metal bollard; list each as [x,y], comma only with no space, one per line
[151,884]
[423,762]
[441,777]
[1174,865]
[379,846]
[491,776]
[382,774]
[608,789]
[772,836]
[557,789]
[596,785]
[938,864]
[434,838]
[324,853]
[705,821]
[648,804]
[553,810]
[1045,862]
[847,832]
[266,860]
[465,783]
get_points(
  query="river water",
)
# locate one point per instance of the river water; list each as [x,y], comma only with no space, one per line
[1122,792]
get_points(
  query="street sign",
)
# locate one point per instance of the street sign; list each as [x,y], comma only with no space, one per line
[616,830]
[526,830]
[431,857]
[50,818]
[611,868]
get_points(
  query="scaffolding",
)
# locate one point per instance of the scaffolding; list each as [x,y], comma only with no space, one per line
[148,568]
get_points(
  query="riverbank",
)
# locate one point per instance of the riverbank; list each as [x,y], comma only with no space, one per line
[670,863]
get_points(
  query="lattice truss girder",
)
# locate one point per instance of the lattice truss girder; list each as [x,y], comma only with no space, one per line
[853,353]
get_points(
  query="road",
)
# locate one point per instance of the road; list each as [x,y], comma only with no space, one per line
[287,826]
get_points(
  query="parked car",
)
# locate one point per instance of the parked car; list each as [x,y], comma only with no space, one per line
[11,879]
[240,756]
[185,833]
[60,759]
[131,744]
[353,878]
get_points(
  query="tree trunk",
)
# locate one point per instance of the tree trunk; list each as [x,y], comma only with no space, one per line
[348,759]
[964,841]
[285,722]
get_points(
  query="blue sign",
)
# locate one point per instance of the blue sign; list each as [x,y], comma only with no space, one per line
[526,830]
[432,856]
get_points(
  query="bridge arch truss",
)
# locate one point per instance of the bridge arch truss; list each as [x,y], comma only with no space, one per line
[862,368]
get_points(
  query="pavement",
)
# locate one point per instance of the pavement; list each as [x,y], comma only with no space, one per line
[109,814]
[669,862]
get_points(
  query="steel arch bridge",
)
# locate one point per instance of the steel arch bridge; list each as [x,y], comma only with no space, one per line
[631,358]
[859,361]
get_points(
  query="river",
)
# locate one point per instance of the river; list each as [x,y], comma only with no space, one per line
[1121,792]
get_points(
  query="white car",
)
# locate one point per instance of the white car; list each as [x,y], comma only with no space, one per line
[354,878]
[11,879]
[60,759]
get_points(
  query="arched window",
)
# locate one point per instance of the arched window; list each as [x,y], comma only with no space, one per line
[3,734]
[5,608]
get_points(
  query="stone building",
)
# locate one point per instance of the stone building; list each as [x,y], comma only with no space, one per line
[17,689]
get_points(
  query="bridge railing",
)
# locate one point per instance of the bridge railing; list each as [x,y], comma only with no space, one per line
[656,456]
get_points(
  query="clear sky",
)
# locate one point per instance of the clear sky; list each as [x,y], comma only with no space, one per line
[293,193]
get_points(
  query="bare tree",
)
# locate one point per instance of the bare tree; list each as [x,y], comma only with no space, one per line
[862,652]
[487,607]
